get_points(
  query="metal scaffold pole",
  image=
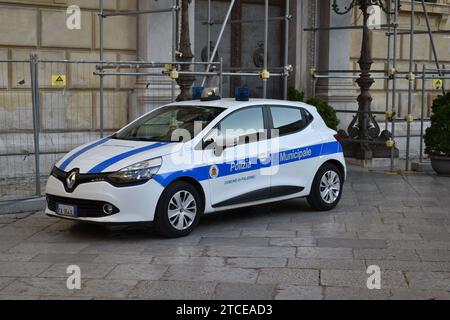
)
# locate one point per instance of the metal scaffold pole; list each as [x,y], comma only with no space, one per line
[430,34]
[208,35]
[36,119]
[266,40]
[410,87]
[286,50]
[101,44]
[389,47]
[394,82]
[174,43]
[219,38]
[422,115]
[315,43]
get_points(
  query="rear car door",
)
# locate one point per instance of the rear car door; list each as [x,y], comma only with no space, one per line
[295,148]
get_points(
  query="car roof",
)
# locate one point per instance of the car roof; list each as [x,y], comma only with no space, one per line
[230,103]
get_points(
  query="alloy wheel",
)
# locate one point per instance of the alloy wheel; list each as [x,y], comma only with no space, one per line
[330,187]
[182,210]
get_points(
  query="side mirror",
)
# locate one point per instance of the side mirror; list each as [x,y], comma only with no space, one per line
[207,143]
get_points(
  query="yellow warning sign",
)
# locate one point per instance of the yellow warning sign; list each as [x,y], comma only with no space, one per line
[437,84]
[59,80]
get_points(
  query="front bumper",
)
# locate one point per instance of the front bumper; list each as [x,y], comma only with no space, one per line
[132,204]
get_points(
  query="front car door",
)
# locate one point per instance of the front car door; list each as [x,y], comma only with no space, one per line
[238,176]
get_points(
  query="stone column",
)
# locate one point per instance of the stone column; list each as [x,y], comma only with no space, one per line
[334,54]
[302,13]
[154,44]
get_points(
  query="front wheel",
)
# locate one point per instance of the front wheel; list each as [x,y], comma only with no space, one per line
[326,190]
[178,210]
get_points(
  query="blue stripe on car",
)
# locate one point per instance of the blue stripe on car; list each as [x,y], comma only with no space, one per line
[107,163]
[80,152]
[300,154]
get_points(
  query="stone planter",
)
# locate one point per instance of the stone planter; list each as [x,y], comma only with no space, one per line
[441,165]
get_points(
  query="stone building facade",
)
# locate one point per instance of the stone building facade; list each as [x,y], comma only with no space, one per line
[339,50]
[70,116]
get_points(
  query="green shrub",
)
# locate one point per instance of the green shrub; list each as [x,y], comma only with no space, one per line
[437,137]
[326,111]
[295,95]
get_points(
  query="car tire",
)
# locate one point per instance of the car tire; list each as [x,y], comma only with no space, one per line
[175,215]
[326,189]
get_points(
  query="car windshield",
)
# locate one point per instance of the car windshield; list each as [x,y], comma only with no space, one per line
[170,124]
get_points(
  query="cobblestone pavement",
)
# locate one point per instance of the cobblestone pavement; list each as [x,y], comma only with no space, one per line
[282,251]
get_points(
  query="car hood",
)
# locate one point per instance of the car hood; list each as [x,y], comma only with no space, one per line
[110,155]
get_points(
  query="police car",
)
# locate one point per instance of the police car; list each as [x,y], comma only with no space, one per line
[186,159]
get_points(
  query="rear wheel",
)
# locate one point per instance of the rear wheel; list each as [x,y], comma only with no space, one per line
[326,190]
[178,210]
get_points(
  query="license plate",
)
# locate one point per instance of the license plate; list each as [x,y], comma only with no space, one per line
[66,210]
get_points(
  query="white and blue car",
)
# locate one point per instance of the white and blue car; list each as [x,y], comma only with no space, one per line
[186,159]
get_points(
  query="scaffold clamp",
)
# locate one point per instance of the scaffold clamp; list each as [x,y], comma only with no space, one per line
[312,72]
[389,115]
[173,74]
[392,72]
[411,77]
[390,143]
[264,74]
[288,69]
[409,118]
[168,67]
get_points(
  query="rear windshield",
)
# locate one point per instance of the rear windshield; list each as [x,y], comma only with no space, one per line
[170,124]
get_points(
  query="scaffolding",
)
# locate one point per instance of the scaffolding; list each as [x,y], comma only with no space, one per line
[391,74]
[212,68]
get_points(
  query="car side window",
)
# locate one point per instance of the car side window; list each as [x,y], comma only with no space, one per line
[243,126]
[288,120]
[309,117]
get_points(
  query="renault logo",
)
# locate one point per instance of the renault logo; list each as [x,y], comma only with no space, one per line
[71,179]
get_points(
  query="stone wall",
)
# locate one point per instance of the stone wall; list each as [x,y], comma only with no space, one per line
[69,116]
[439,15]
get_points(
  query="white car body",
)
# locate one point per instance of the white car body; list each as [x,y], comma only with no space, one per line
[240,177]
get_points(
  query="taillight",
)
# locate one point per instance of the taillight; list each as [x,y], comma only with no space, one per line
[338,137]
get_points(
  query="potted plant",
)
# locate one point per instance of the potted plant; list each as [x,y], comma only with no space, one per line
[437,137]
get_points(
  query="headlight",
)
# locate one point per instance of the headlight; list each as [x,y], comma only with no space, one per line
[137,173]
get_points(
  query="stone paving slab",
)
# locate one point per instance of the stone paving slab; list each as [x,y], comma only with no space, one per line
[257,263]
[358,279]
[137,272]
[295,292]
[351,243]
[63,258]
[349,293]
[244,291]
[429,280]
[183,260]
[283,251]
[110,289]
[37,287]
[22,269]
[343,264]
[217,274]
[305,277]
[173,290]
[89,270]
